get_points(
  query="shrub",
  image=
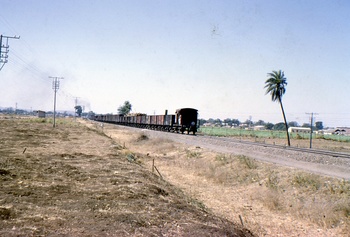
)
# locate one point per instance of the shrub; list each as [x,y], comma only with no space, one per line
[192,154]
[307,181]
[222,158]
[142,137]
[247,161]
[272,181]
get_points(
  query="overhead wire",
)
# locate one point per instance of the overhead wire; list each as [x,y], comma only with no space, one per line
[21,62]
[37,72]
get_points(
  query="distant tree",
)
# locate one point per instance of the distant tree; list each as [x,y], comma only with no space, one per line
[91,114]
[218,121]
[276,86]
[125,109]
[305,125]
[228,121]
[293,124]
[260,122]
[78,110]
[9,110]
[269,126]
[202,121]
[211,121]
[236,122]
[279,126]
[21,111]
[319,125]
[248,122]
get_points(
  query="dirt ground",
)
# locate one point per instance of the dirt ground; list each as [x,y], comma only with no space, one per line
[288,210]
[76,181]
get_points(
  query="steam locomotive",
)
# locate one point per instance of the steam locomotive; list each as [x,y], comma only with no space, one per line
[184,120]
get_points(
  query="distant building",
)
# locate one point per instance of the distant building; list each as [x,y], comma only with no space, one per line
[208,125]
[299,130]
[336,131]
[326,131]
[259,127]
[342,131]
[40,113]
[243,126]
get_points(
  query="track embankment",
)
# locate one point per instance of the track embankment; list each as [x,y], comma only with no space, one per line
[323,164]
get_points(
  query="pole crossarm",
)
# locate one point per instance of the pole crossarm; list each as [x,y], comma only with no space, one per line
[311,124]
[55,87]
[4,49]
[56,83]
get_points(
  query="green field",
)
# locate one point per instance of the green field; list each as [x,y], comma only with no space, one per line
[266,134]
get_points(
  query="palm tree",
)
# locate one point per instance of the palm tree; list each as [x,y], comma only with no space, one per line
[276,87]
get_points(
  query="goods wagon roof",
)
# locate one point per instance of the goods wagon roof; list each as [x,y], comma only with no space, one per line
[185,109]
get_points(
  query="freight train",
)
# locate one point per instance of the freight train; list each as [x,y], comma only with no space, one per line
[184,120]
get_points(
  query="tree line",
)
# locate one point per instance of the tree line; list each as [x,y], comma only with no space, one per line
[267,125]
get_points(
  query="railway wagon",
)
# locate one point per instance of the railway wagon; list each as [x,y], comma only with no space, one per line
[161,122]
[184,120]
[187,118]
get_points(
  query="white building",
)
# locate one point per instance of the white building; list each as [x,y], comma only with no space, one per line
[299,130]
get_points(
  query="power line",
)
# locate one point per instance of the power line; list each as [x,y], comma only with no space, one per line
[30,67]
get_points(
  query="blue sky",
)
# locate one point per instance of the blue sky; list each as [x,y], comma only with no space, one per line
[210,55]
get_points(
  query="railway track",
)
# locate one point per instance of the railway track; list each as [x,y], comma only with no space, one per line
[291,148]
[329,163]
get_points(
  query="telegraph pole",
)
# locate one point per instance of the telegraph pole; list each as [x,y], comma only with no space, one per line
[4,49]
[311,123]
[75,110]
[55,87]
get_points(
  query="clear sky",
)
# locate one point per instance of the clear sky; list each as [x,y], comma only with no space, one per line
[167,54]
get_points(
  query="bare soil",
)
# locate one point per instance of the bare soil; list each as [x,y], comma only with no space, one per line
[73,180]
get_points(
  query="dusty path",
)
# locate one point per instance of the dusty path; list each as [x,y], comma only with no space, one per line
[265,211]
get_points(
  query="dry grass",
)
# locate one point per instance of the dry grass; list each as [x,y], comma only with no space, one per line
[323,201]
[292,201]
[77,181]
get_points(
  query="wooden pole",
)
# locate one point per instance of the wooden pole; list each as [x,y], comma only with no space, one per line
[240,217]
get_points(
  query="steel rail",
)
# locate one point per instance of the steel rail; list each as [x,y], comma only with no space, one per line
[291,148]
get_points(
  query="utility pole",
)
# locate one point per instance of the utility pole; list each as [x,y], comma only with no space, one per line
[4,49]
[55,87]
[311,123]
[75,110]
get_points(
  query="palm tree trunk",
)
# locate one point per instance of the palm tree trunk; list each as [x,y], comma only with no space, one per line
[285,121]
